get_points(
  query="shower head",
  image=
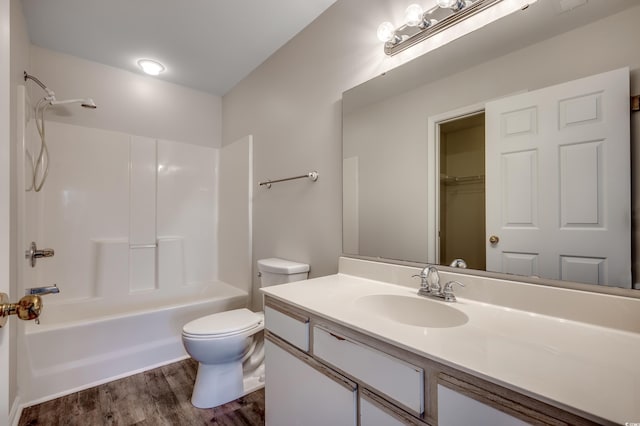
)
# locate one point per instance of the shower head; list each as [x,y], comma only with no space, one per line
[85,103]
[88,103]
[51,100]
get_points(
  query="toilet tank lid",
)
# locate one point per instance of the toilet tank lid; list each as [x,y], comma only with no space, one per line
[281,266]
[226,322]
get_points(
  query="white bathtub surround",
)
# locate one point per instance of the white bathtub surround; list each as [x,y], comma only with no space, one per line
[236,196]
[589,367]
[100,213]
[187,188]
[133,222]
[82,345]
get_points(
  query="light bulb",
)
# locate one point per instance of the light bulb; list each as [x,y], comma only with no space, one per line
[151,67]
[426,23]
[413,15]
[446,3]
[386,32]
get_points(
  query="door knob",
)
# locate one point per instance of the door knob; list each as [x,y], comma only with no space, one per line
[494,239]
[27,308]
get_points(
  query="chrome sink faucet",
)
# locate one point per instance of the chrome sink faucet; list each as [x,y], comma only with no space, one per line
[430,285]
[429,281]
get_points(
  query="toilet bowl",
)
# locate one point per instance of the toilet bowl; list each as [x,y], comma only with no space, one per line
[229,345]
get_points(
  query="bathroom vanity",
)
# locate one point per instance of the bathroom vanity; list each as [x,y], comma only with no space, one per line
[344,349]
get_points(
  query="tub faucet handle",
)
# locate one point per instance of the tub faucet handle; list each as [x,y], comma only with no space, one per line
[51,289]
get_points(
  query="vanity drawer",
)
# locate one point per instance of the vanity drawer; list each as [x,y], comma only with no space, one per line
[395,378]
[291,327]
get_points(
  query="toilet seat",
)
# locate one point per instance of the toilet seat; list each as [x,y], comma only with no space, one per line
[223,324]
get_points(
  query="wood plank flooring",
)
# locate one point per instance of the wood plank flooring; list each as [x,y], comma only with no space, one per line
[155,397]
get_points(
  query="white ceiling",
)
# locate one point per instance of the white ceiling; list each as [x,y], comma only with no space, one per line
[208,45]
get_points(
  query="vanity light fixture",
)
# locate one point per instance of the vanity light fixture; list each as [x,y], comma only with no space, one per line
[150,66]
[420,25]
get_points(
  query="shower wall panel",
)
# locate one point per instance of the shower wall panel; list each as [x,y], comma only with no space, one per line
[143,191]
[124,214]
[142,225]
[85,198]
[187,217]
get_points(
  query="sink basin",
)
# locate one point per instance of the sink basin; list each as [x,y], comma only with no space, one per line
[409,310]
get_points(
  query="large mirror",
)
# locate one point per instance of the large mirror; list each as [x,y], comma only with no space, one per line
[420,182]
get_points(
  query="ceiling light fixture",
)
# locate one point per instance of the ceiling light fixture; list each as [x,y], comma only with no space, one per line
[420,25]
[150,66]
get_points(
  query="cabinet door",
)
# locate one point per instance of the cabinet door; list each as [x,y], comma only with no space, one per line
[298,393]
[373,415]
[455,409]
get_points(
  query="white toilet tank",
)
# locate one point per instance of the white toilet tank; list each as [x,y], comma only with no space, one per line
[279,271]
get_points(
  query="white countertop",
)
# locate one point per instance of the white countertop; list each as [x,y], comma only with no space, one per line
[593,369]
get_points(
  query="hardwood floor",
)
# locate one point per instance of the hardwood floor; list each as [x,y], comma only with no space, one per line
[155,397]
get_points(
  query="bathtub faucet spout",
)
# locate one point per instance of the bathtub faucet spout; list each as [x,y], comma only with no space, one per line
[43,290]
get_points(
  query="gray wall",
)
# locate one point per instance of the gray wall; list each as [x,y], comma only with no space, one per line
[291,105]
[127,102]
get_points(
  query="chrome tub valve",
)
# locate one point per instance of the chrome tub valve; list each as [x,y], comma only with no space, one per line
[33,253]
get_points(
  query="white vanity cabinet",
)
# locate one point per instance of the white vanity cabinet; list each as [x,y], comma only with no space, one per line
[376,411]
[374,415]
[290,326]
[456,409]
[301,392]
[298,389]
[335,375]
[400,381]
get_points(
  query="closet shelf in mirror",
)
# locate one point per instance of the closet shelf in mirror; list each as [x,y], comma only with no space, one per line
[456,180]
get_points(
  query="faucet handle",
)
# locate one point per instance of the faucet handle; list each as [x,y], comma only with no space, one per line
[448,291]
[51,289]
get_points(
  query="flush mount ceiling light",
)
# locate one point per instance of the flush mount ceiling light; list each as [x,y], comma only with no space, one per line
[150,66]
[420,25]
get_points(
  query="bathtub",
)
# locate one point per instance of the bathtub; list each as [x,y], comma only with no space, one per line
[83,343]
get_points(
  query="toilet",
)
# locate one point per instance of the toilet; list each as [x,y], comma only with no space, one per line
[229,345]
